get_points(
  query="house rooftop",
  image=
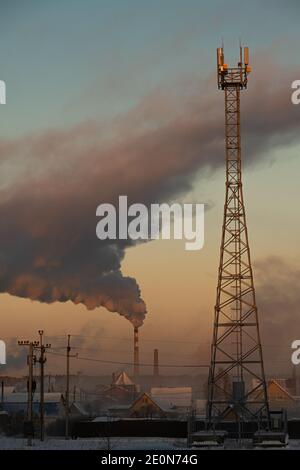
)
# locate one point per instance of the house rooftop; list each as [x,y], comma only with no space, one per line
[123,380]
[172,397]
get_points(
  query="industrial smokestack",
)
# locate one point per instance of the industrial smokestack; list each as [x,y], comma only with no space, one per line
[295,381]
[155,364]
[136,360]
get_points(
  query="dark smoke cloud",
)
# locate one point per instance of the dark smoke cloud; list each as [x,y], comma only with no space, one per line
[54,182]
[278,297]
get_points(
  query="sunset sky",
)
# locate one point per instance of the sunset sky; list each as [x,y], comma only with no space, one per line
[112,97]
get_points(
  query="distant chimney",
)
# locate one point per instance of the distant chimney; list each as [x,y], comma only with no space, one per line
[155,364]
[136,361]
[295,381]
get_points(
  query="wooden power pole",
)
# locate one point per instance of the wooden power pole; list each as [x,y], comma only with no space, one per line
[67,407]
[30,389]
[42,361]
[30,379]
[67,403]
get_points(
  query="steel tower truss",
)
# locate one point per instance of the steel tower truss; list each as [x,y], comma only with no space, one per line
[236,379]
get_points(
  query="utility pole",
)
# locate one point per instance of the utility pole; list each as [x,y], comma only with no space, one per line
[30,378]
[30,390]
[42,361]
[67,409]
[67,404]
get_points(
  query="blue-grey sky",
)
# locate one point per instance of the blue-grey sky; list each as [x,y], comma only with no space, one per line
[69,60]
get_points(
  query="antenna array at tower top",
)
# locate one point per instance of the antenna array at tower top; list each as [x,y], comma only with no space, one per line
[233,75]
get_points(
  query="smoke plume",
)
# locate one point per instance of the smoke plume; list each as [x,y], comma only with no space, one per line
[278,303]
[54,181]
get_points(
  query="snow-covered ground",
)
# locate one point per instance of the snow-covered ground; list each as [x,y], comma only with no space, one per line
[135,443]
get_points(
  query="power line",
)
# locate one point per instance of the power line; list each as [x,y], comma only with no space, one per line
[131,363]
[151,340]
